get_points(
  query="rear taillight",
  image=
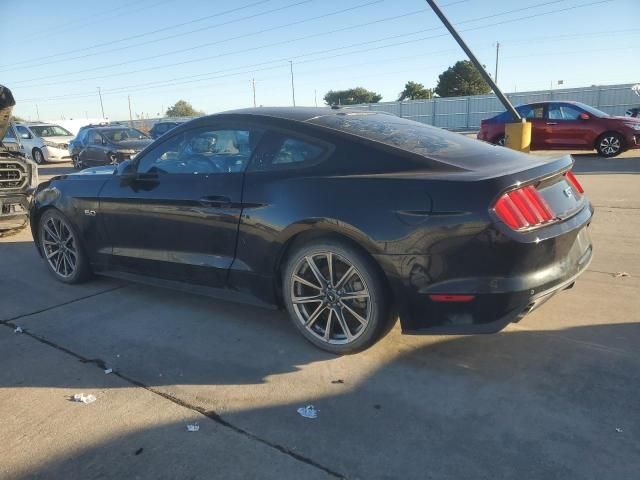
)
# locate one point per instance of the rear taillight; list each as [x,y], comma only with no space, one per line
[523,208]
[574,181]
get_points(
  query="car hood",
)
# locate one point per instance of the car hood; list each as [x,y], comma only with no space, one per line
[634,120]
[133,144]
[59,139]
[103,170]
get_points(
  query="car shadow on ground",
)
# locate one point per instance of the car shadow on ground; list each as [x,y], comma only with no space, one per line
[591,163]
[55,169]
[548,401]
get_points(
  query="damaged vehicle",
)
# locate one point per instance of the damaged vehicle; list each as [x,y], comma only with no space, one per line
[346,219]
[18,173]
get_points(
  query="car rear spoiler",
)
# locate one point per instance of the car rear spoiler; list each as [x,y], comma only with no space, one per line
[6,107]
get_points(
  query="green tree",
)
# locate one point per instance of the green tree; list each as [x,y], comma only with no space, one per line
[461,79]
[415,91]
[352,96]
[183,108]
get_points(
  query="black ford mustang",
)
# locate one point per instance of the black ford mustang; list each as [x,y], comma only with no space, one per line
[348,219]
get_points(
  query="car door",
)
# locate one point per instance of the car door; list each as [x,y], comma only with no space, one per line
[93,152]
[177,217]
[27,138]
[564,129]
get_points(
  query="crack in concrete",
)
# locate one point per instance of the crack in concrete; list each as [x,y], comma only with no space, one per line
[210,414]
[53,307]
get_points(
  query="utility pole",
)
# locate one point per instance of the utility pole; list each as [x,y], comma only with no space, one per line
[130,116]
[101,105]
[253,86]
[315,97]
[497,56]
[37,112]
[504,100]
[293,88]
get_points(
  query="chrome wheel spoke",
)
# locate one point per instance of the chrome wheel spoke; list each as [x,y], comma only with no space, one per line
[354,295]
[297,278]
[52,253]
[311,299]
[347,275]
[51,233]
[330,267]
[314,316]
[355,314]
[59,247]
[314,268]
[343,324]
[327,328]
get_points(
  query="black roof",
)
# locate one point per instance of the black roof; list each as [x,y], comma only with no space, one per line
[299,114]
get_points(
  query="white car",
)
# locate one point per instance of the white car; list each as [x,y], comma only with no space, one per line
[45,142]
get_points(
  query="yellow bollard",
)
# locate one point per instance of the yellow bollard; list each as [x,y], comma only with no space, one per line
[517,136]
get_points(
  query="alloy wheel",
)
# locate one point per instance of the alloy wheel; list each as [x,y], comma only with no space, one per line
[38,157]
[610,145]
[60,247]
[330,297]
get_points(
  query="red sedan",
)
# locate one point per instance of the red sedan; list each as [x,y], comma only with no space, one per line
[568,126]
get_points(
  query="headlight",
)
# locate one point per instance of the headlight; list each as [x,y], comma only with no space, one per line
[53,145]
[633,126]
[33,168]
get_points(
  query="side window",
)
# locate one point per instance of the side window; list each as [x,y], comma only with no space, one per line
[95,138]
[531,111]
[201,151]
[9,136]
[287,152]
[23,131]
[563,111]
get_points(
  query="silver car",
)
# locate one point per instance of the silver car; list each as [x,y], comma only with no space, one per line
[45,142]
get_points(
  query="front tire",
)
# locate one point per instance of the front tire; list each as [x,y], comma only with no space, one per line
[38,156]
[61,248]
[610,145]
[336,296]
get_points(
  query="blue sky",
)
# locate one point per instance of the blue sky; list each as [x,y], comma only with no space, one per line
[56,54]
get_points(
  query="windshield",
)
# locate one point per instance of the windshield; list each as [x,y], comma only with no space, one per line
[50,131]
[593,111]
[123,134]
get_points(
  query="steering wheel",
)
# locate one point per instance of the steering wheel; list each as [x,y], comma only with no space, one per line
[199,158]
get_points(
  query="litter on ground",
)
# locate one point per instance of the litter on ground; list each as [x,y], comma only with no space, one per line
[308,412]
[193,427]
[108,371]
[81,397]
[18,330]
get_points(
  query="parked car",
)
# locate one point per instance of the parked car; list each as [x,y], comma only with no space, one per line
[18,173]
[161,128]
[568,126]
[106,145]
[345,218]
[633,112]
[45,142]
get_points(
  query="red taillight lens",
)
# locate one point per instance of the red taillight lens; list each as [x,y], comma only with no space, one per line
[523,208]
[456,298]
[574,181]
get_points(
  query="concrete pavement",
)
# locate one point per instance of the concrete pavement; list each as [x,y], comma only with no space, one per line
[554,396]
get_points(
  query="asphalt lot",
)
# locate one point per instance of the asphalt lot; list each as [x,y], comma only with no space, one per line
[555,396]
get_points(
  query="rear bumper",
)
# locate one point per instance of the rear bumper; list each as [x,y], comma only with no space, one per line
[497,300]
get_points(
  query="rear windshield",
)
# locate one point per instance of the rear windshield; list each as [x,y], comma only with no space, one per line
[425,140]
[123,135]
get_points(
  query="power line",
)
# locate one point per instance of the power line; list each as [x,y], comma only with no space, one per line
[111,42]
[200,59]
[333,55]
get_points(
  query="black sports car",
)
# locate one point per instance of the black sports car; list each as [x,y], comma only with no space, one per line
[108,145]
[348,219]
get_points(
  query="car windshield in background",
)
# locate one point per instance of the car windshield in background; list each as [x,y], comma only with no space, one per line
[50,131]
[123,135]
[591,110]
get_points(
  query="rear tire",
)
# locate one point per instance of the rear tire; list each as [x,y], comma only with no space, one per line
[610,144]
[350,298]
[61,248]
[499,140]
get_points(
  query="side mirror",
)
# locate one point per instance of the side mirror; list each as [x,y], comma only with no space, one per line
[126,170]
[584,116]
[26,136]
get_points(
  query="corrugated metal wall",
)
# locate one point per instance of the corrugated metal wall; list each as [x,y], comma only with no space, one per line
[460,113]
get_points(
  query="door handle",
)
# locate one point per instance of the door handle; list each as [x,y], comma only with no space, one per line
[216,201]
[552,123]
